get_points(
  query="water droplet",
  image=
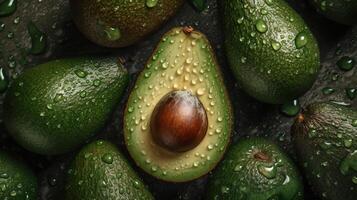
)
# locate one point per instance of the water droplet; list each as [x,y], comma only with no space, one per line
[107,158]
[290,108]
[3,80]
[347,143]
[225,190]
[328,90]
[238,168]
[261,26]
[112,34]
[4,175]
[151,3]
[80,73]
[38,39]
[276,45]
[346,63]
[351,93]
[349,163]
[267,171]
[7,7]
[301,40]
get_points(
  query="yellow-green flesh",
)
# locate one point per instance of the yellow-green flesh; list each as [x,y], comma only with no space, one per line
[180,62]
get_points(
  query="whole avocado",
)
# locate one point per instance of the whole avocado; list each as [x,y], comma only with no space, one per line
[17,181]
[341,11]
[57,106]
[324,136]
[271,51]
[120,23]
[255,169]
[100,171]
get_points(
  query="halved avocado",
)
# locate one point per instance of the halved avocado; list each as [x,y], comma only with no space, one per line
[178,118]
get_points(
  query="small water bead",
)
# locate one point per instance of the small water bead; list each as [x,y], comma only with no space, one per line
[80,73]
[346,63]
[38,39]
[2,26]
[276,45]
[268,172]
[351,93]
[3,80]
[291,108]
[112,34]
[151,3]
[328,90]
[301,40]
[7,7]
[261,26]
[238,168]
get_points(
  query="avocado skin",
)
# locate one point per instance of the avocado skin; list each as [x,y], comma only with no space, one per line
[20,183]
[332,125]
[341,11]
[247,182]
[89,168]
[50,109]
[134,19]
[271,76]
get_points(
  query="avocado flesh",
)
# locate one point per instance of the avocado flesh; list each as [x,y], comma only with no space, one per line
[255,169]
[324,137]
[341,11]
[182,61]
[57,106]
[120,23]
[100,171]
[17,181]
[272,53]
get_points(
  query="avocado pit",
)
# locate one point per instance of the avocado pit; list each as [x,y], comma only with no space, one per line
[179,121]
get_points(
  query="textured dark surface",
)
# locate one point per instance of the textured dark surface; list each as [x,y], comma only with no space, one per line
[251,117]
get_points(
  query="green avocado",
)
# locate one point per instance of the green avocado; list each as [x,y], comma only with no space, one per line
[178,119]
[100,171]
[324,136]
[57,106]
[120,23]
[17,181]
[255,169]
[271,51]
[341,11]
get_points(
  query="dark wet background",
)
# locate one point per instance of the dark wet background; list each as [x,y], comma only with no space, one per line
[251,117]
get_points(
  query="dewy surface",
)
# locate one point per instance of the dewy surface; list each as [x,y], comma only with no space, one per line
[252,118]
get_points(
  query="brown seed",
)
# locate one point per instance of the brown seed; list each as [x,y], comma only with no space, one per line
[179,121]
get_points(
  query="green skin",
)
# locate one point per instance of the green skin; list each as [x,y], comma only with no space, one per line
[341,11]
[53,108]
[17,181]
[132,20]
[325,144]
[92,176]
[238,176]
[267,74]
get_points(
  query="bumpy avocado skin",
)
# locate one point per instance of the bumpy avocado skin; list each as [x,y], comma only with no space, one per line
[57,106]
[100,171]
[120,23]
[242,176]
[261,47]
[17,181]
[341,11]
[324,137]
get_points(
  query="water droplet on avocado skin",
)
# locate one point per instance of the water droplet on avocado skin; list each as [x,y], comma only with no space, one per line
[291,108]
[38,39]
[346,63]
[301,40]
[7,7]
[3,80]
[151,3]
